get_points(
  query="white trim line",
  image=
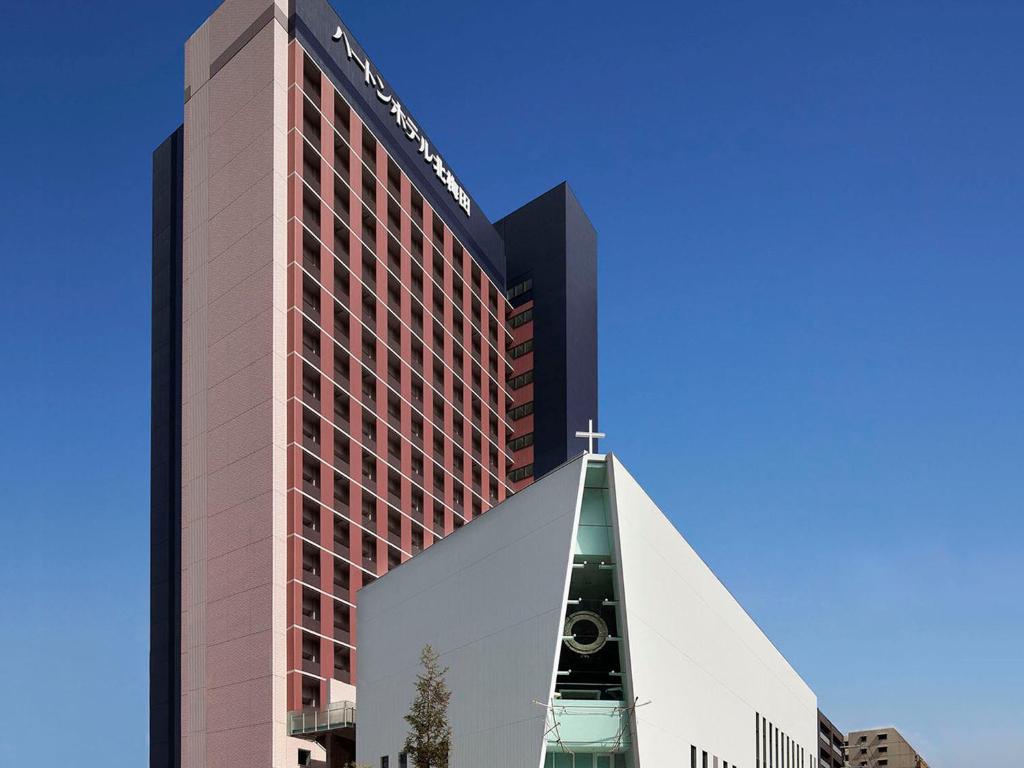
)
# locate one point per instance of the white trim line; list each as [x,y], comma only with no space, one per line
[389,464]
[377,298]
[433,283]
[359,155]
[359,400]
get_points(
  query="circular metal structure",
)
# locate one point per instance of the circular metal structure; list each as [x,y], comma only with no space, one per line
[585,632]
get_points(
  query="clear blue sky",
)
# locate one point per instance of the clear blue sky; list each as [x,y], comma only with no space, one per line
[811,219]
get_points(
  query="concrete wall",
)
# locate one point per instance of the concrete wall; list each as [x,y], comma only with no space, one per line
[867,748]
[694,653]
[490,599]
[233,388]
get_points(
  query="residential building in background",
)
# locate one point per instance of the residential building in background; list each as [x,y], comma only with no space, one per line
[344,373]
[831,744]
[881,748]
[580,630]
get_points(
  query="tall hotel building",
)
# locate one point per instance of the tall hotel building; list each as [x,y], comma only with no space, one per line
[350,361]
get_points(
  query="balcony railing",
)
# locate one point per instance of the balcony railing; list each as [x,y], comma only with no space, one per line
[340,714]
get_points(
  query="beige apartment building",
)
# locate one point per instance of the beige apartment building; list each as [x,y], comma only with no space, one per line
[881,748]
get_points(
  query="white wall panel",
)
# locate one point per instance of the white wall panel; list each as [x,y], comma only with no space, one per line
[694,653]
[490,599]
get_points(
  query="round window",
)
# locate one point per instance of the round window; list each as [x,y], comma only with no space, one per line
[585,632]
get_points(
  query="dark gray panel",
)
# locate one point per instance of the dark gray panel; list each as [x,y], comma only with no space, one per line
[551,240]
[581,321]
[165,459]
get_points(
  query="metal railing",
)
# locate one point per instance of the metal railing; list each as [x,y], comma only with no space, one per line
[340,714]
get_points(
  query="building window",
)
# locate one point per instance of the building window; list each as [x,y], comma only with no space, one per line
[520,288]
[521,319]
[693,756]
[520,442]
[883,749]
[757,739]
[521,349]
[883,736]
[521,473]
[517,382]
[384,761]
[403,760]
[520,411]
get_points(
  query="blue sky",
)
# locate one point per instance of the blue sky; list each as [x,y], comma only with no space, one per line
[811,324]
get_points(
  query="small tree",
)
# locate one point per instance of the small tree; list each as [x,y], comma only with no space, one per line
[430,736]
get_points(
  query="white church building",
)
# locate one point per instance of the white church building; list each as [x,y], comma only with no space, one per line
[580,631]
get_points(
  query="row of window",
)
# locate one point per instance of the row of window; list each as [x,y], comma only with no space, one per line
[863,751]
[312,663]
[468,342]
[518,295]
[521,349]
[521,319]
[461,367]
[881,750]
[439,268]
[520,442]
[316,460]
[521,473]
[429,515]
[523,286]
[313,83]
[879,737]
[479,457]
[480,389]
[520,381]
[520,411]
[704,760]
[775,749]
[311,216]
[475,306]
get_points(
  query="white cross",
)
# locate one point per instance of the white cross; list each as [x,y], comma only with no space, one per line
[590,435]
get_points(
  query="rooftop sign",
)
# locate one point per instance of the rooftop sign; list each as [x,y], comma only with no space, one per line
[405,123]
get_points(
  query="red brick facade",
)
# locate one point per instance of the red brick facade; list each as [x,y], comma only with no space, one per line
[397,400]
[521,379]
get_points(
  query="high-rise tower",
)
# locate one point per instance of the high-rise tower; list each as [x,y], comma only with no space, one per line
[335,378]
